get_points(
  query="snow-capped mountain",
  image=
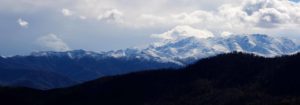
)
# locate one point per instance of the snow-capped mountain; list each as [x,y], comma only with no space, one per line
[187,49]
[184,44]
[79,65]
[192,48]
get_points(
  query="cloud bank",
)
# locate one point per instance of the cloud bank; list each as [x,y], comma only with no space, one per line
[237,16]
[214,15]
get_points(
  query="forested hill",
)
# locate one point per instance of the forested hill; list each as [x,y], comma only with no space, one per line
[227,79]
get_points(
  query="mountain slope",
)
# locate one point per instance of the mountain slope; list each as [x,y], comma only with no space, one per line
[227,79]
[33,78]
[78,66]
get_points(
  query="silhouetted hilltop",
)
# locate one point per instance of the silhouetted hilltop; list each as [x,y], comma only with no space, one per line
[226,79]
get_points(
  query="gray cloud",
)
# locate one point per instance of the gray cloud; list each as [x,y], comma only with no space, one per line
[271,13]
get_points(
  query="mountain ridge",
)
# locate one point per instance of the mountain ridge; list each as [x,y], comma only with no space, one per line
[162,50]
[225,79]
[81,65]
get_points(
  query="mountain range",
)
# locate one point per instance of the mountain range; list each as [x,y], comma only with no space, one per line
[48,69]
[225,79]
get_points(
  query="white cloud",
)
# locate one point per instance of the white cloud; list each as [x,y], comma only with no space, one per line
[111,15]
[53,42]
[23,23]
[180,32]
[67,12]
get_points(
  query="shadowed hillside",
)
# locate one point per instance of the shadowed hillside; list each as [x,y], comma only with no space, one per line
[228,79]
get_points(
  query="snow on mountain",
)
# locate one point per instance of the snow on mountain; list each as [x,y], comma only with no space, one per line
[73,54]
[187,49]
[197,48]
[184,44]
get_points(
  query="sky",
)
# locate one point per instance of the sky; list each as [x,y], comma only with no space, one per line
[102,25]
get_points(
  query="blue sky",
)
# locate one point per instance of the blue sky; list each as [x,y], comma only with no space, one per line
[295,0]
[102,25]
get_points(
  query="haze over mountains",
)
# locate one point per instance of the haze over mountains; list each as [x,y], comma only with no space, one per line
[61,69]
